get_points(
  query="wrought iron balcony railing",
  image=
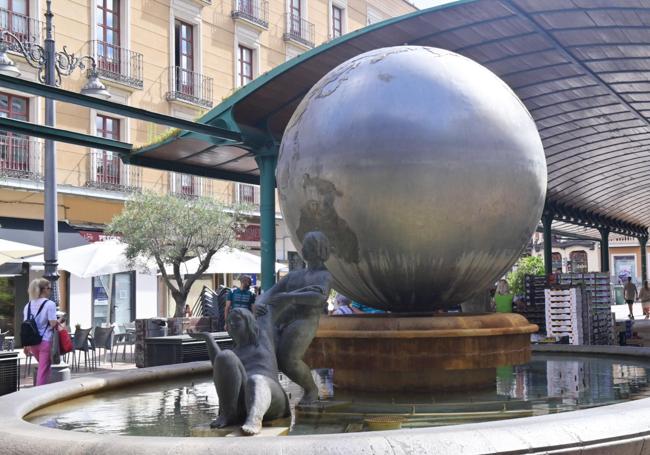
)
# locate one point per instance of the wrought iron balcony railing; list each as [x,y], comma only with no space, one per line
[255,11]
[247,194]
[27,29]
[117,63]
[191,186]
[107,172]
[299,30]
[21,156]
[189,86]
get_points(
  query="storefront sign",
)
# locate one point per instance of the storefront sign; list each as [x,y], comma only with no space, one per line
[97,236]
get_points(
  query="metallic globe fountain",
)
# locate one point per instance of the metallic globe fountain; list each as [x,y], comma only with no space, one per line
[427,174]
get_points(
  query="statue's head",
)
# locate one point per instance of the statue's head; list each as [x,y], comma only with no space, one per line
[242,327]
[315,247]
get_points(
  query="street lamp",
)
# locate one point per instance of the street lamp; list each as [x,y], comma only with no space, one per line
[51,66]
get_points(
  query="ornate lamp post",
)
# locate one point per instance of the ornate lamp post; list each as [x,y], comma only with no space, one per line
[51,66]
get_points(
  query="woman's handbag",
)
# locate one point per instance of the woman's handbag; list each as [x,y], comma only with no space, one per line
[65,341]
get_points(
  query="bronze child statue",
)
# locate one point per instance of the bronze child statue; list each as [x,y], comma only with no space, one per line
[295,304]
[246,378]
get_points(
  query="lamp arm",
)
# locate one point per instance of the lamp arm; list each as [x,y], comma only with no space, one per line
[34,54]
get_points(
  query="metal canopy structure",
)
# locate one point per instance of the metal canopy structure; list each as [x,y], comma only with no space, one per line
[581,67]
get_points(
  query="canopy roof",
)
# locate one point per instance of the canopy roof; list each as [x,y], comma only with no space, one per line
[582,68]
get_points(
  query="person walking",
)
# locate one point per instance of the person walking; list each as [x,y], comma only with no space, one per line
[43,310]
[644,296]
[630,294]
[241,297]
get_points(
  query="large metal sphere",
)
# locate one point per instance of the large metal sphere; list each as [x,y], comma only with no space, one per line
[422,167]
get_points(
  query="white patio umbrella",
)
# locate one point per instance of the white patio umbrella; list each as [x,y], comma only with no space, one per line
[228,260]
[95,259]
[10,251]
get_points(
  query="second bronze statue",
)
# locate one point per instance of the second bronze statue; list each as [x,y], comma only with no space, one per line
[246,378]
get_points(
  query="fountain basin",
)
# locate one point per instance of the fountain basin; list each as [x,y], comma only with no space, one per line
[610,429]
[388,352]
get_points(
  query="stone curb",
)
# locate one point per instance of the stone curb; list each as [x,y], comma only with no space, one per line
[622,428]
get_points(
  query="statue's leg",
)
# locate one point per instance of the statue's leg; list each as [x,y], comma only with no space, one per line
[258,401]
[293,344]
[230,381]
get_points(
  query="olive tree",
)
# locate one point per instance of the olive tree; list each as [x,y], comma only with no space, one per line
[170,230]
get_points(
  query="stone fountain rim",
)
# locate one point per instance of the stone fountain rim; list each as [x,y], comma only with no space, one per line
[607,428]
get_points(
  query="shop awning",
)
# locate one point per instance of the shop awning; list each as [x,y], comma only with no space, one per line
[31,232]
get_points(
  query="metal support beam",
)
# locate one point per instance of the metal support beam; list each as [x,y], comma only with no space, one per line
[604,249]
[643,243]
[70,137]
[547,221]
[66,96]
[266,163]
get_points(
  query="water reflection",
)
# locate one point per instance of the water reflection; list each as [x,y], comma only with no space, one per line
[548,384]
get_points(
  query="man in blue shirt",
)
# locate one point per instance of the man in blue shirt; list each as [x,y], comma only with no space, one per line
[241,297]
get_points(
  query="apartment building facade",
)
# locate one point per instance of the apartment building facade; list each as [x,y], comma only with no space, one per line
[177,57]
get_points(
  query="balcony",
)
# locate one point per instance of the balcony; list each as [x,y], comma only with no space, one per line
[299,31]
[255,12]
[190,87]
[189,186]
[21,157]
[107,172]
[247,194]
[27,29]
[117,64]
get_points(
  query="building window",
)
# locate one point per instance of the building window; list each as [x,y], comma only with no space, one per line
[184,55]
[188,185]
[578,261]
[14,17]
[556,261]
[248,194]
[108,34]
[296,15]
[14,148]
[337,21]
[245,65]
[107,164]
[112,299]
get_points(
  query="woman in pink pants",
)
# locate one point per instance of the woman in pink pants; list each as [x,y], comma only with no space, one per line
[44,312]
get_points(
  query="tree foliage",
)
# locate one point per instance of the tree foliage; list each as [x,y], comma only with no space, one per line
[531,265]
[170,230]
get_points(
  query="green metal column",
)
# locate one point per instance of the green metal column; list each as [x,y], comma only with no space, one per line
[547,220]
[643,241]
[266,162]
[604,249]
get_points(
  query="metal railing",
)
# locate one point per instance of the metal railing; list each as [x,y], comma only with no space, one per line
[191,186]
[118,63]
[107,172]
[189,86]
[247,194]
[21,156]
[299,30]
[27,29]
[255,11]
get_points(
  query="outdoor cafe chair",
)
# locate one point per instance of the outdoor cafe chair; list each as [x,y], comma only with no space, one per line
[103,339]
[80,343]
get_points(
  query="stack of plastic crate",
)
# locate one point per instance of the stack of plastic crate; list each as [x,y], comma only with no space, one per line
[564,313]
[534,297]
[596,305]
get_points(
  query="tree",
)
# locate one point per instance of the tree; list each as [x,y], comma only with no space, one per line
[170,230]
[531,265]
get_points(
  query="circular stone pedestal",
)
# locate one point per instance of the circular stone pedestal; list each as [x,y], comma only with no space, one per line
[419,353]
